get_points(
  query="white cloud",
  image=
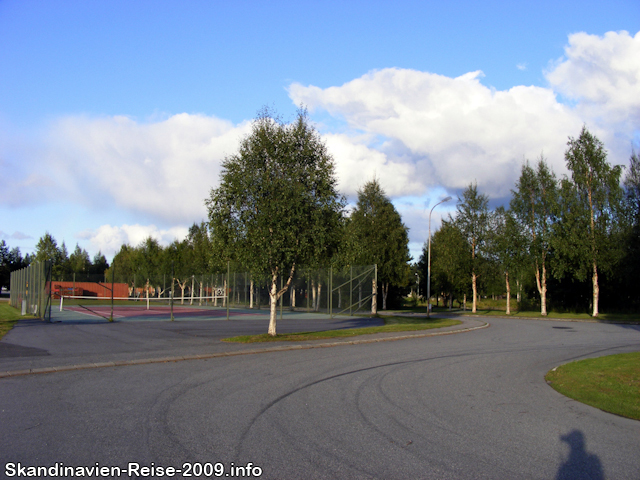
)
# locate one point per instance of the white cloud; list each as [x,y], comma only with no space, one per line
[522,66]
[357,163]
[602,74]
[419,129]
[436,130]
[164,169]
[108,239]
[15,235]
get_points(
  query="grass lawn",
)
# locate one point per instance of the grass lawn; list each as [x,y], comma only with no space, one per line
[392,324]
[497,309]
[609,383]
[611,317]
[8,317]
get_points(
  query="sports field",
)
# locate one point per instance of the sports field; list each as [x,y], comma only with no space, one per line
[79,310]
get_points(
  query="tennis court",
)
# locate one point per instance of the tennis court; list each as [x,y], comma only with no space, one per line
[96,310]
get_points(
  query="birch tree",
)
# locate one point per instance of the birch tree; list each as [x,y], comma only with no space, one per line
[277,205]
[535,204]
[472,218]
[507,246]
[591,207]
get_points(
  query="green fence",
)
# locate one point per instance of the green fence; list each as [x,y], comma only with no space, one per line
[333,291]
[31,290]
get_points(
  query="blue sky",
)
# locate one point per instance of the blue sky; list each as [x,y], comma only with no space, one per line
[115,115]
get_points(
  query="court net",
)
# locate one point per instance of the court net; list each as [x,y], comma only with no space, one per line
[119,307]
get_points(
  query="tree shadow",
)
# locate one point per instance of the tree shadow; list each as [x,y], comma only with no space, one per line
[580,464]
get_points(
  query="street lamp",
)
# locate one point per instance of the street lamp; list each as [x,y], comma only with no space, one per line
[429,260]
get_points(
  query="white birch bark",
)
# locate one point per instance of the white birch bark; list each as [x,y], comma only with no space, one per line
[319,297]
[374,297]
[313,295]
[274,295]
[506,275]
[475,292]
[541,284]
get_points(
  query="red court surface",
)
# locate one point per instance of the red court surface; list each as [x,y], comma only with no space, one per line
[103,312]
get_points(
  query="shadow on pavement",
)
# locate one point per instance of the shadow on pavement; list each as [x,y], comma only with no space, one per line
[580,464]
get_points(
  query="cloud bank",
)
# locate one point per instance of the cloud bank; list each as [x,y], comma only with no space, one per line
[415,131]
[431,130]
[108,239]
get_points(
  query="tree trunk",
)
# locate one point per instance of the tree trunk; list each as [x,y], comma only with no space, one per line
[464,303]
[541,283]
[596,290]
[182,286]
[313,295]
[274,295]
[193,280]
[374,297]
[251,294]
[224,298]
[506,277]
[319,297]
[475,291]
[273,302]
[292,294]
[385,292]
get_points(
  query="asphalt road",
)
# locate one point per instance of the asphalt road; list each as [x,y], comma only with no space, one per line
[471,405]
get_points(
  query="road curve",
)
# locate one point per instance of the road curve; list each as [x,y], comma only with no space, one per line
[472,405]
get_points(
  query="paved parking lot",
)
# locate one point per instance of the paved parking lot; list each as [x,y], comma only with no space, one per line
[470,405]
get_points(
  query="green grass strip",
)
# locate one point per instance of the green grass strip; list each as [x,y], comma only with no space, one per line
[632,318]
[609,383]
[9,316]
[392,324]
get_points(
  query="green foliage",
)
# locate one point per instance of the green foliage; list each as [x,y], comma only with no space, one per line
[450,262]
[79,261]
[379,236]
[628,280]
[591,213]
[277,204]
[535,206]
[472,219]
[5,265]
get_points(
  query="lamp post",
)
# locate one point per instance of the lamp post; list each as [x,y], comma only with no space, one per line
[429,259]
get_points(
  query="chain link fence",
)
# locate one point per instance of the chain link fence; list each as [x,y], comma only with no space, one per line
[30,289]
[333,291]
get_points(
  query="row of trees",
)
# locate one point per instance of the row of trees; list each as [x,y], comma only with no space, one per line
[559,238]
[277,208]
[10,260]
[64,266]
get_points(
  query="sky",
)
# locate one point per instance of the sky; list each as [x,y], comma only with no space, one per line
[115,116]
